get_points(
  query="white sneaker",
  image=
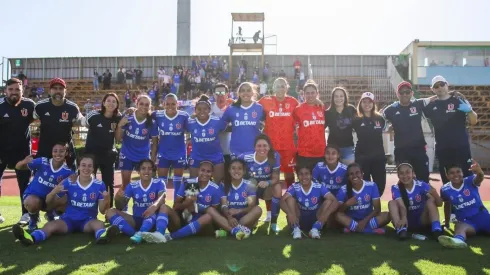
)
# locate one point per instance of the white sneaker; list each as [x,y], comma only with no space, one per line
[314,234]
[449,242]
[24,220]
[268,217]
[2,219]
[155,237]
[296,233]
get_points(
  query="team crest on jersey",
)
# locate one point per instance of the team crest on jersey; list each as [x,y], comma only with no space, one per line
[92,196]
[64,115]
[211,131]
[367,197]
[338,179]
[178,126]
[267,169]
[144,131]
[466,192]
[450,107]
[152,195]
[314,200]
[23,112]
[319,113]
[254,114]
[378,124]
[413,110]
[418,198]
[59,179]
[208,198]
[244,194]
[287,105]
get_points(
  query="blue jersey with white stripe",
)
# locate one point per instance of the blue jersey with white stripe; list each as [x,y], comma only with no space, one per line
[417,197]
[365,200]
[171,131]
[308,201]
[204,136]
[237,196]
[45,176]
[246,124]
[144,198]
[136,139]
[465,201]
[82,202]
[261,171]
[208,196]
[334,180]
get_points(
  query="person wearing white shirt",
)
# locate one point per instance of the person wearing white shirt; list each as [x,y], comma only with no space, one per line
[263,88]
[160,74]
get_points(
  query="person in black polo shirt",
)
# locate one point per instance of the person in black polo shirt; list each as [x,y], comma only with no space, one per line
[406,119]
[448,114]
[16,113]
[338,119]
[370,153]
[100,139]
[57,116]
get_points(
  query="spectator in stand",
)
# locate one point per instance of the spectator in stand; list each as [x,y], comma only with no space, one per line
[152,93]
[107,80]
[255,78]
[194,64]
[486,63]
[225,65]
[214,63]
[23,78]
[39,93]
[96,80]
[301,96]
[129,78]
[160,75]
[33,93]
[88,107]
[265,72]
[127,98]
[225,76]
[256,37]
[297,68]
[120,75]
[263,88]
[282,73]
[138,76]
[176,80]
[97,105]
[197,81]
[301,81]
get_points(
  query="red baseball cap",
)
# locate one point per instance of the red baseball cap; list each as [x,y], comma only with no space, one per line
[403,84]
[57,80]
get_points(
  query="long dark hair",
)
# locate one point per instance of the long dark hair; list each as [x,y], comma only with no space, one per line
[374,111]
[401,186]
[349,184]
[332,102]
[227,183]
[238,102]
[149,121]
[102,108]
[271,156]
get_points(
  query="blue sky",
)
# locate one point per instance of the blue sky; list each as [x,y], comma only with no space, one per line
[53,28]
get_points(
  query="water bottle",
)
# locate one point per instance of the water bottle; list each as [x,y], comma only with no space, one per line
[419,237]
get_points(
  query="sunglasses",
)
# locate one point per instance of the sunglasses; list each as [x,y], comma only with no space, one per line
[439,84]
[221,93]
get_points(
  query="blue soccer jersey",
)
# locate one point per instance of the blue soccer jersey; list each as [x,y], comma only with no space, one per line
[416,197]
[246,123]
[82,202]
[204,136]
[308,201]
[177,78]
[144,198]
[45,177]
[171,131]
[261,171]
[208,196]
[136,139]
[237,196]
[465,201]
[365,198]
[334,180]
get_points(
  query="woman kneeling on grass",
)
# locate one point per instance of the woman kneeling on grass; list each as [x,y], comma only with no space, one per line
[307,204]
[149,207]
[414,204]
[239,210]
[360,209]
[463,195]
[200,206]
[83,196]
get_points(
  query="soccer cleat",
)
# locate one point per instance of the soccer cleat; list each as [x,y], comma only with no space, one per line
[246,231]
[155,237]
[274,228]
[403,235]
[108,235]
[240,235]
[136,238]
[296,233]
[314,233]
[221,233]
[2,219]
[268,217]
[450,242]
[22,235]
[24,220]
[436,234]
[377,231]
[347,230]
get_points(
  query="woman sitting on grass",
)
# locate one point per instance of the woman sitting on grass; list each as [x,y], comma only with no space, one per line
[414,204]
[84,197]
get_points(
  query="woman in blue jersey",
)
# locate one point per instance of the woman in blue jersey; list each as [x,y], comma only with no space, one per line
[148,205]
[263,170]
[47,174]
[461,195]
[308,204]
[204,129]
[331,172]
[134,132]
[84,197]
[239,209]
[209,197]
[168,147]
[414,205]
[360,209]
[246,117]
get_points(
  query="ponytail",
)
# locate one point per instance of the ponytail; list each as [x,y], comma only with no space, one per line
[403,193]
